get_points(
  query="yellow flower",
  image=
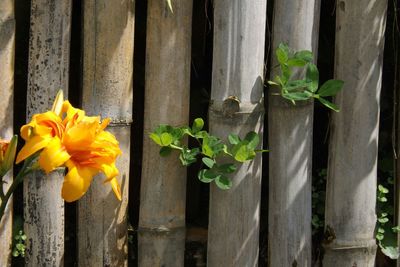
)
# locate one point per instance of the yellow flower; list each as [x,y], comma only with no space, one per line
[76,141]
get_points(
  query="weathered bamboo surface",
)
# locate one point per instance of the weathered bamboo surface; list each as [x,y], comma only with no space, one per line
[7,43]
[295,23]
[352,168]
[238,67]
[163,186]
[108,35]
[47,73]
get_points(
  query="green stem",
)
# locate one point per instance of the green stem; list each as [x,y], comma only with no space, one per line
[16,181]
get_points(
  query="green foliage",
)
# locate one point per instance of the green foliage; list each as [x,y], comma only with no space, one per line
[386,234]
[306,88]
[318,202]
[211,150]
[19,245]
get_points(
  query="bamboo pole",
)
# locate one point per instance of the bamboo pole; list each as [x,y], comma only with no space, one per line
[7,43]
[351,186]
[290,142]
[47,73]
[108,35]
[163,187]
[239,38]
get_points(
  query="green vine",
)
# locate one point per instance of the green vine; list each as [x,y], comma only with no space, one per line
[302,89]
[217,157]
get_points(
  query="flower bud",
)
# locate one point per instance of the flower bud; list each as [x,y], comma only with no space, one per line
[7,154]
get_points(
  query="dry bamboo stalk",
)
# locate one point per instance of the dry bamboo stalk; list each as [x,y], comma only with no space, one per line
[350,208]
[163,186]
[239,38]
[7,43]
[48,72]
[290,141]
[108,35]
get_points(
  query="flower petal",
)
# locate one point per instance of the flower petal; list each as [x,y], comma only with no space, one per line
[109,170]
[76,182]
[116,188]
[54,155]
[33,145]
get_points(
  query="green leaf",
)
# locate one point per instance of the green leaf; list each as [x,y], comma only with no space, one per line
[208,162]
[227,168]
[381,230]
[312,77]
[282,53]
[328,104]
[383,220]
[286,74]
[242,153]
[296,62]
[156,139]
[296,85]
[297,96]
[201,134]
[223,182]
[166,139]
[188,156]
[396,229]
[212,146]
[198,125]
[253,139]
[391,252]
[304,55]
[382,199]
[330,88]
[234,139]
[382,189]
[206,176]
[379,237]
[165,151]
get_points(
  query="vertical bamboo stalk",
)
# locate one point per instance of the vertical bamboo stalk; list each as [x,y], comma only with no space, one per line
[108,35]
[47,73]
[163,186]
[351,186]
[290,142]
[7,43]
[239,38]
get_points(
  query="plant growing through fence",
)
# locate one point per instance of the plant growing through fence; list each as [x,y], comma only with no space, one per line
[291,62]
[386,231]
[215,155]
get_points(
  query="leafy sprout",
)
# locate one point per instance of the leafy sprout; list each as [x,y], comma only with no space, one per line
[307,87]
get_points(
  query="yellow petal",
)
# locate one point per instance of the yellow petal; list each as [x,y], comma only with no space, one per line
[71,111]
[76,182]
[53,156]
[116,188]
[33,145]
[80,136]
[58,103]
[110,171]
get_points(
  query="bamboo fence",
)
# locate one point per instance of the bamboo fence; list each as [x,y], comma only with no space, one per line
[236,104]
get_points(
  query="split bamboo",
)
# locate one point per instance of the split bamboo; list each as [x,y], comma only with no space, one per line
[163,188]
[47,73]
[352,167]
[7,43]
[290,143]
[237,107]
[108,36]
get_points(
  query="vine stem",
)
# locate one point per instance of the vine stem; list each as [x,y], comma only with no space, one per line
[26,169]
